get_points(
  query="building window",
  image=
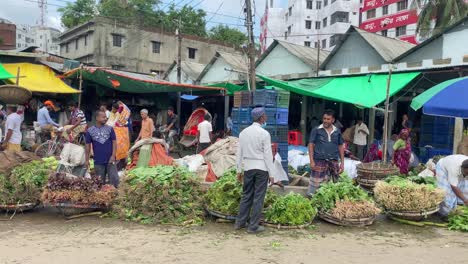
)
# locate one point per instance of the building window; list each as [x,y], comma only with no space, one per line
[316,44]
[401,31]
[308,24]
[118,67]
[285,35]
[76,43]
[385,10]
[318,5]
[370,13]
[290,11]
[335,39]
[338,16]
[117,40]
[156,46]
[317,24]
[325,2]
[289,30]
[19,36]
[40,36]
[86,40]
[402,5]
[66,48]
[309,4]
[384,32]
[19,45]
[307,43]
[191,53]
[325,22]
[324,43]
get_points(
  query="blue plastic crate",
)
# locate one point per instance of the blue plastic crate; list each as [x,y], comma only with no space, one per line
[285,164]
[431,152]
[237,128]
[235,115]
[277,116]
[245,115]
[264,98]
[278,133]
[283,151]
[282,99]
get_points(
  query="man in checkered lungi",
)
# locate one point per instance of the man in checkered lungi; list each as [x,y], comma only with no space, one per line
[326,149]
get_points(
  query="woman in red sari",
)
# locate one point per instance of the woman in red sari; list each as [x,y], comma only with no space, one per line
[402,152]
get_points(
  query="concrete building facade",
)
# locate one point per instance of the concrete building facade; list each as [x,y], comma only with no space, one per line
[46,39]
[311,23]
[7,35]
[391,18]
[103,42]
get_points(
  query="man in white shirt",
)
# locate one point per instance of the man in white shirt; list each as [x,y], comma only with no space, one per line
[13,134]
[255,159]
[360,138]
[204,133]
[452,177]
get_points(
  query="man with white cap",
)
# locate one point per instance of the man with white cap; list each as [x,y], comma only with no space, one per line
[254,164]
[13,134]
[147,126]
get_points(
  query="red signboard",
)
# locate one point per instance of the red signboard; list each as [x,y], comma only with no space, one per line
[392,21]
[410,39]
[372,4]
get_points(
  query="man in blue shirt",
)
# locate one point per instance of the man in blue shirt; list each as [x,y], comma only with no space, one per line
[43,118]
[102,139]
[325,151]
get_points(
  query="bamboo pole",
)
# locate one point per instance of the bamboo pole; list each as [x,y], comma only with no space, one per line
[17,76]
[387,103]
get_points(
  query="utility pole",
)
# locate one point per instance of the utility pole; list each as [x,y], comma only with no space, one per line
[249,24]
[179,67]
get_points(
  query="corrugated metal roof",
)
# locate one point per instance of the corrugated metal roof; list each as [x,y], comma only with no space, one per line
[134,75]
[388,48]
[237,60]
[307,54]
[192,69]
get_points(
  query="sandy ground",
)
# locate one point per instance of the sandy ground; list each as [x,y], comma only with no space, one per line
[45,237]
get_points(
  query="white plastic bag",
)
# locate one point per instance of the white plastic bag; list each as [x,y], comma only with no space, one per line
[278,172]
[72,155]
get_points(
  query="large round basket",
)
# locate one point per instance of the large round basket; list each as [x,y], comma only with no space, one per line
[18,207]
[359,222]
[366,184]
[68,209]
[220,215]
[13,94]
[370,173]
[413,215]
[286,227]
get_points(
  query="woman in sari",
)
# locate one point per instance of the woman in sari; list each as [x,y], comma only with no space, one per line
[121,116]
[402,152]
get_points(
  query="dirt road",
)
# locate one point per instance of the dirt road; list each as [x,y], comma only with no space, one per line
[45,237]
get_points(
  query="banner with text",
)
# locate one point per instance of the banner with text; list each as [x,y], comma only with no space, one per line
[393,21]
[372,4]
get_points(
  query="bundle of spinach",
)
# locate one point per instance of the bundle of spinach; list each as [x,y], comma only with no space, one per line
[458,219]
[292,209]
[330,193]
[161,194]
[24,184]
[225,194]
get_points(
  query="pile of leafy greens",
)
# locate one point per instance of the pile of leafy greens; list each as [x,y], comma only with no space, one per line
[292,209]
[458,219]
[225,194]
[161,194]
[25,183]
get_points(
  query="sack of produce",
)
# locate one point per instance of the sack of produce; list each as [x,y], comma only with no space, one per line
[24,184]
[291,210]
[161,194]
[223,197]
[342,203]
[409,197]
[71,191]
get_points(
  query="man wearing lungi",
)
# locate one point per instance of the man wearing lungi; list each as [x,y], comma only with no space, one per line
[326,150]
[452,177]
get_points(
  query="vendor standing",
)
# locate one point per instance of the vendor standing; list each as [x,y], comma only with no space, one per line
[255,161]
[326,150]
[452,177]
[172,126]
[204,133]
[13,136]
[77,123]
[147,126]
[402,152]
[360,138]
[103,140]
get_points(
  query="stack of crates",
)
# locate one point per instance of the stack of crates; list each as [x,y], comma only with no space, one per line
[436,132]
[276,104]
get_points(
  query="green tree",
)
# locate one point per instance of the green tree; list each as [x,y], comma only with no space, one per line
[192,21]
[442,13]
[228,35]
[140,12]
[78,12]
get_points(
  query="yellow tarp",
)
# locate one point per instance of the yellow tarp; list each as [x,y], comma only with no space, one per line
[38,78]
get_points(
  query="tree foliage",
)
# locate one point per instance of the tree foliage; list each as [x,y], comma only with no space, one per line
[228,35]
[192,20]
[440,14]
[78,12]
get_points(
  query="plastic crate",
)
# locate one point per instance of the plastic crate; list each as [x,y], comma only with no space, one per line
[241,115]
[431,152]
[235,115]
[279,134]
[285,165]
[282,99]
[295,138]
[246,99]
[237,129]
[277,116]
[283,151]
[237,99]
[264,98]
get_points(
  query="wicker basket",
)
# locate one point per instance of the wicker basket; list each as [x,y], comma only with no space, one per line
[366,184]
[221,215]
[68,209]
[285,227]
[376,170]
[360,222]
[13,94]
[18,207]
[413,215]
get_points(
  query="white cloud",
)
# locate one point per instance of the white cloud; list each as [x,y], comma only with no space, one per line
[25,12]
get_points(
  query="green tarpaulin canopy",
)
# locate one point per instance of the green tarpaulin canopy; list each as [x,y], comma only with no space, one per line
[4,74]
[365,91]
[135,82]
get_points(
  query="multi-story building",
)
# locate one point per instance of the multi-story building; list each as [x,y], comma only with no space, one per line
[24,37]
[312,23]
[7,35]
[390,18]
[106,43]
[46,39]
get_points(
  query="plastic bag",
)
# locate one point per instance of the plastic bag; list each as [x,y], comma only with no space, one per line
[279,174]
[72,155]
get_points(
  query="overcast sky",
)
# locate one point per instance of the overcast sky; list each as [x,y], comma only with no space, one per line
[27,11]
